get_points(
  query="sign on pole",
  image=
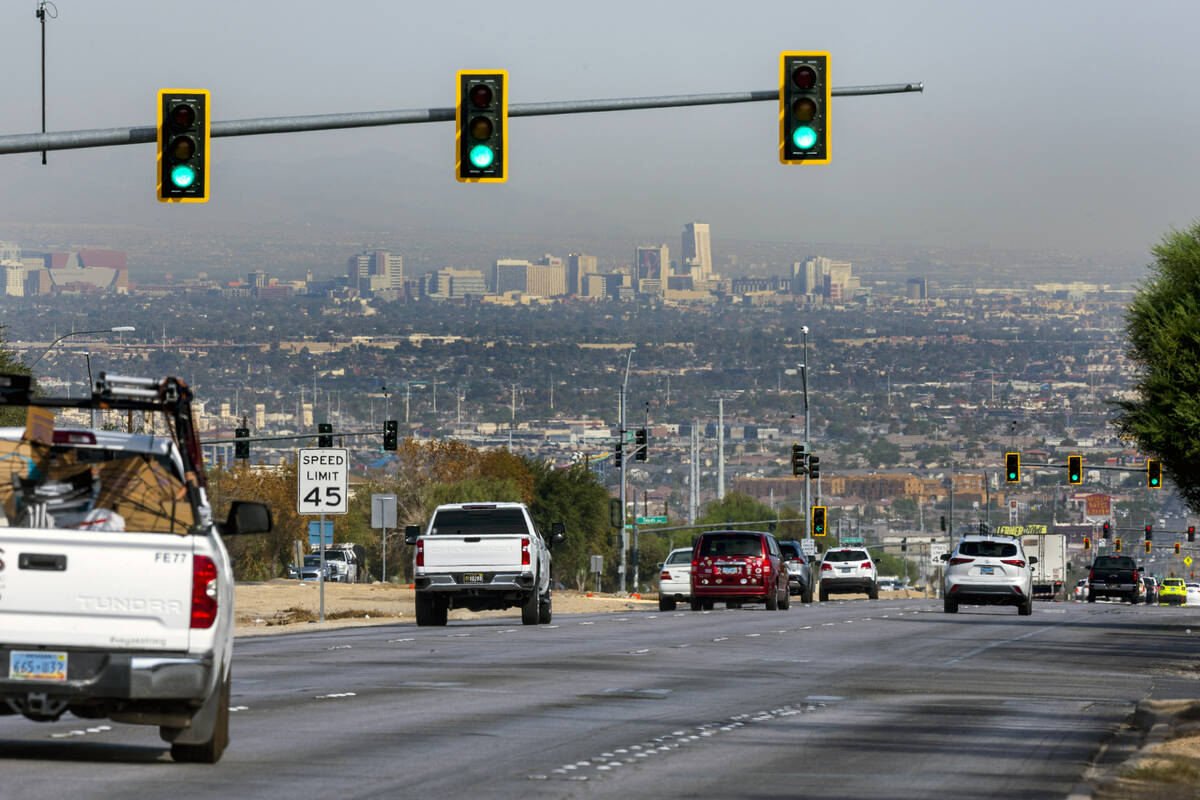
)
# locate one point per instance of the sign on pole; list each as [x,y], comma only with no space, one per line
[651,520]
[314,533]
[322,474]
[936,551]
[383,511]
[808,547]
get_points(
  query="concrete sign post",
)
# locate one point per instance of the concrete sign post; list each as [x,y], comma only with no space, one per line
[322,474]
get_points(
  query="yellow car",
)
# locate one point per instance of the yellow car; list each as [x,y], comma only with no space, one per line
[1173,592]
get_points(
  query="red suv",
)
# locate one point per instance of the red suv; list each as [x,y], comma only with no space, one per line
[738,567]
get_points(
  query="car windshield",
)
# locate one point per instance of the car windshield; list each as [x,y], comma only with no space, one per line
[987,549]
[91,488]
[335,555]
[312,561]
[478,521]
[1113,562]
[680,557]
[731,544]
[846,555]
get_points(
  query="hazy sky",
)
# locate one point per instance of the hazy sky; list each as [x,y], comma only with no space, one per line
[1043,125]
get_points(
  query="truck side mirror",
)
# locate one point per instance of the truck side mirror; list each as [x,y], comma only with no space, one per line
[558,532]
[944,556]
[1032,560]
[411,533]
[247,517]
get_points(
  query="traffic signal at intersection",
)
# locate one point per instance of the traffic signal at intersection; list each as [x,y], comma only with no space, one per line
[1177,548]
[481,126]
[241,449]
[640,439]
[183,136]
[1075,469]
[1149,532]
[804,99]
[797,459]
[1012,467]
[391,434]
[619,455]
[326,437]
[818,521]
[814,467]
[1153,473]
[1147,545]
[1191,533]
[1087,543]
[1117,545]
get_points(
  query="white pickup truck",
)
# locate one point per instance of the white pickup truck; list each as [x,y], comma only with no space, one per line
[482,556]
[116,592]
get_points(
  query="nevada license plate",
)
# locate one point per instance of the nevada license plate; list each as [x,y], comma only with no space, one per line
[37,665]
[730,570]
[986,570]
[473,577]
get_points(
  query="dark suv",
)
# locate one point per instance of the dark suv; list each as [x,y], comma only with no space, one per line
[738,567]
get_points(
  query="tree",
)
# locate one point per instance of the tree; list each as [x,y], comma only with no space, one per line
[1163,328]
[10,364]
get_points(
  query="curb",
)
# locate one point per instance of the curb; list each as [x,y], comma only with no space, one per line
[1156,720]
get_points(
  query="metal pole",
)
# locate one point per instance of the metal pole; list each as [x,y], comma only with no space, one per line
[91,384]
[807,445]
[635,540]
[321,536]
[720,448]
[624,466]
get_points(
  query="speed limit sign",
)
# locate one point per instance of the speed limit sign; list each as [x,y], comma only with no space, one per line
[322,473]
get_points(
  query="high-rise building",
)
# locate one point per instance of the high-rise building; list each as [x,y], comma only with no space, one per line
[510,275]
[579,265]
[14,279]
[10,251]
[820,275]
[375,270]
[594,285]
[697,252]
[651,264]
[918,289]
[547,280]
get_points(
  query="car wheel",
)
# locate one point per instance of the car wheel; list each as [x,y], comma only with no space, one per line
[666,603]
[209,752]
[786,602]
[873,592]
[695,604]
[1026,608]
[806,595]
[824,594]
[545,609]
[530,609]
[1091,597]
[950,606]
[429,611]
[772,599]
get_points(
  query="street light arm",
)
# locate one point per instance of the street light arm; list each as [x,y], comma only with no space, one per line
[117,329]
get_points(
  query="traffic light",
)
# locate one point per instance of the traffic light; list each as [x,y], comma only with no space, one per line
[326,437]
[1117,545]
[818,521]
[904,544]
[1075,469]
[619,455]
[1147,545]
[943,522]
[1177,548]
[1191,533]
[391,437]
[1153,473]
[1107,529]
[814,467]
[183,135]
[481,126]
[614,512]
[797,459]
[804,100]
[1012,467]
[241,449]
[639,438]
[1149,533]
[1087,543]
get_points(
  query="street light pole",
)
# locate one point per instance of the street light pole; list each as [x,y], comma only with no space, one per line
[91,411]
[117,329]
[624,465]
[807,445]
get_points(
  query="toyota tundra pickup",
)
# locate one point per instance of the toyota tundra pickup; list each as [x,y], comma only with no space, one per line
[116,592]
[482,556]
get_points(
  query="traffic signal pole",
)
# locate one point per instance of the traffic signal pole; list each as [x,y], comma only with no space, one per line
[148,134]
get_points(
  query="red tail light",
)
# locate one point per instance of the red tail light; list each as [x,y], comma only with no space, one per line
[665,576]
[524,552]
[865,565]
[1091,575]
[204,592]
[1016,562]
[420,562]
[695,563]
[960,560]
[826,567]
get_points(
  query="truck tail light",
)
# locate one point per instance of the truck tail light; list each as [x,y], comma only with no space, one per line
[960,560]
[1091,575]
[524,552]
[420,562]
[204,592]
[1016,562]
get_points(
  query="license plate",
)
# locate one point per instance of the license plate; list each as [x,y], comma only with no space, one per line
[473,577]
[37,665]
[730,570]
[986,570]
[845,569]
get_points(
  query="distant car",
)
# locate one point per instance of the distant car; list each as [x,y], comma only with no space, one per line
[1173,592]
[1081,587]
[987,570]
[310,570]
[675,579]
[848,570]
[799,571]
[1114,576]
[1193,594]
[738,567]
[1150,587]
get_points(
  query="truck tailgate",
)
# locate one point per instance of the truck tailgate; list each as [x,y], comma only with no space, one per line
[500,551]
[109,590]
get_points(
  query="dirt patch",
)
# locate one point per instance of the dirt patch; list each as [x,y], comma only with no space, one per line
[282,606]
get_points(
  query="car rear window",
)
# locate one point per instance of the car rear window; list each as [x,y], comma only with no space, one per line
[791,552]
[478,521]
[1113,562]
[987,549]
[1173,582]
[680,557]
[730,544]
[846,555]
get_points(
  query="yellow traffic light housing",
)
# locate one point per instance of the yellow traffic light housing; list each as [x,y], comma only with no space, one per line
[818,520]
[1012,467]
[1153,473]
[183,153]
[481,126]
[804,99]
[1075,470]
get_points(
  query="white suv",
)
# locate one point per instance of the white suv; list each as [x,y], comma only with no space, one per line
[989,570]
[675,579]
[846,570]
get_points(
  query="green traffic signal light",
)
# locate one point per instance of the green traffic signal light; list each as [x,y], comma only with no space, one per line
[1012,467]
[804,98]
[481,122]
[183,135]
[482,156]
[182,176]
[1153,473]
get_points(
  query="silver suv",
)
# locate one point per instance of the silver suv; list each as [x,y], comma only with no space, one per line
[989,570]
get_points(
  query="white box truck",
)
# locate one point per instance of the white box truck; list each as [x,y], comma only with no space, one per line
[1050,571]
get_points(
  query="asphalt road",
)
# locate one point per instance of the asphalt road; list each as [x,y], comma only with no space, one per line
[846,699]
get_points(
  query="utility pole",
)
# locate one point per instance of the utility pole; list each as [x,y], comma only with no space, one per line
[624,467]
[720,448]
[807,443]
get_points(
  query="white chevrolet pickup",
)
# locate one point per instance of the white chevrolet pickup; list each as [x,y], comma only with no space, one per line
[116,592]
[482,556]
